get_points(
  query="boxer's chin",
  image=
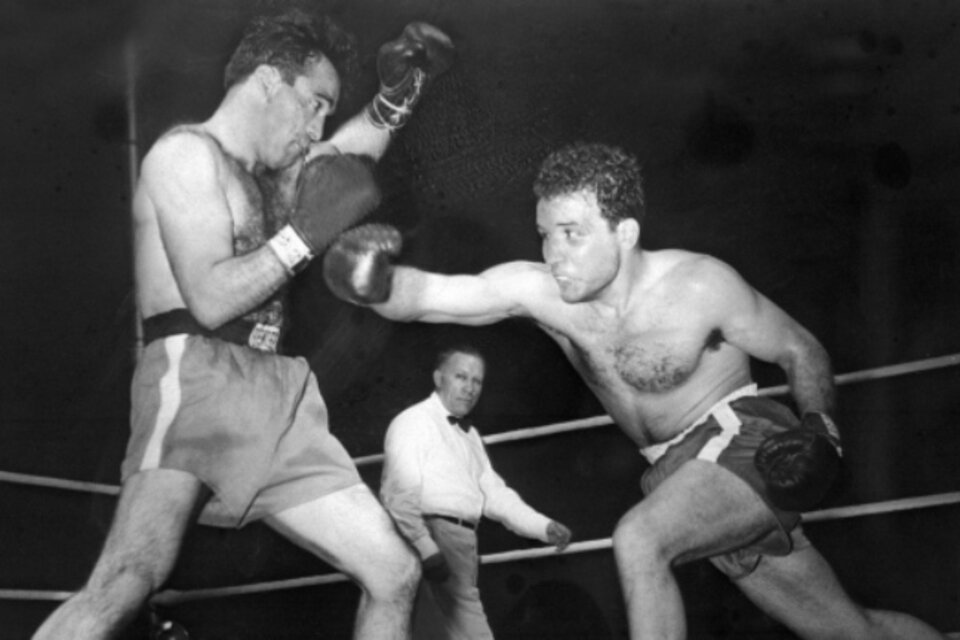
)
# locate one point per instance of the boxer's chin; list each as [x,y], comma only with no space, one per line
[569,292]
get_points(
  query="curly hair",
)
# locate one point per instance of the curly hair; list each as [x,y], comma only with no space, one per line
[608,172]
[287,41]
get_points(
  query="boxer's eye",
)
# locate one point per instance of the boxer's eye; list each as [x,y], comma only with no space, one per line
[321,105]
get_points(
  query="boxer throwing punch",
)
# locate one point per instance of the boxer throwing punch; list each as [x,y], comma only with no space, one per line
[222,424]
[664,339]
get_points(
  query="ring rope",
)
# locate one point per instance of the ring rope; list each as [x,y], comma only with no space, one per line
[173,596]
[888,506]
[58,483]
[889,371]
[905,368]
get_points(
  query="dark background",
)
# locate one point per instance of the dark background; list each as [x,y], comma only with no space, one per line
[813,145]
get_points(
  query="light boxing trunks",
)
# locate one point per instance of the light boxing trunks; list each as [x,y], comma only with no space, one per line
[250,424]
[729,434]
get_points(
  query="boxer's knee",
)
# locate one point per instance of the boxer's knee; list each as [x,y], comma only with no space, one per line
[394,577]
[638,542]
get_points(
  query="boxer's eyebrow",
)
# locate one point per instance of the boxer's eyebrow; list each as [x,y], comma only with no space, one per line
[557,224]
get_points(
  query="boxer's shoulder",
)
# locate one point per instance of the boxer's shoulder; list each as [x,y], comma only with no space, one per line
[696,277]
[184,148]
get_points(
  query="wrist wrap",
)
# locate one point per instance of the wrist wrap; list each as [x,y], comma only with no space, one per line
[294,254]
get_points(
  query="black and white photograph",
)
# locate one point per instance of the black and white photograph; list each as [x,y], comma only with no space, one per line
[476,319]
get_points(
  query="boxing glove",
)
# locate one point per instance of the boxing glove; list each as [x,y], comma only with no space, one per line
[334,192]
[358,267]
[799,465]
[404,67]
[435,568]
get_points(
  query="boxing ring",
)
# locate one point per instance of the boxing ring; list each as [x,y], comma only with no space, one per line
[172,597]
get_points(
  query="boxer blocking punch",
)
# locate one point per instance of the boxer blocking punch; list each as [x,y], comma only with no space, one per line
[405,66]
[335,193]
[224,426]
[664,340]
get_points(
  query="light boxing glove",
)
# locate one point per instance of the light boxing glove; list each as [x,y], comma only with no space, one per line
[358,267]
[334,192]
[405,65]
[799,465]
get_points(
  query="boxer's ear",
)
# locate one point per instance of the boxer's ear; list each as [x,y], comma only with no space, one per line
[628,232]
[269,79]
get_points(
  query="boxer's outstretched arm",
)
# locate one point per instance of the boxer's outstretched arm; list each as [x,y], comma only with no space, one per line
[498,293]
[359,268]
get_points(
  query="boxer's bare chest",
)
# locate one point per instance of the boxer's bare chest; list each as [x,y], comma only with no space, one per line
[253,223]
[650,355]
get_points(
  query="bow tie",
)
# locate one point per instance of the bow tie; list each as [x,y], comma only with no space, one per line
[464,422]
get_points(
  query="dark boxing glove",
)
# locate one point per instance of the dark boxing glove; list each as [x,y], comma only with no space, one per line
[405,65]
[334,192]
[358,267]
[799,465]
[435,568]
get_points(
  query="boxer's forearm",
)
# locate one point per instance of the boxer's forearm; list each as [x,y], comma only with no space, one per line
[405,303]
[234,286]
[359,136]
[810,377]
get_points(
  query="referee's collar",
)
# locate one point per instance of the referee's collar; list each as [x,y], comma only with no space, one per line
[443,414]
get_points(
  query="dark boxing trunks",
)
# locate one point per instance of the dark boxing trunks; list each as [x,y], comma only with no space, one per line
[729,435]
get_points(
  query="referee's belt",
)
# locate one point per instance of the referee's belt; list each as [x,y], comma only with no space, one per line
[256,335]
[463,522]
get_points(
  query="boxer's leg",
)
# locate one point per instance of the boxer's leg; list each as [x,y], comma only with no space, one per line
[350,530]
[801,591]
[701,510]
[153,512]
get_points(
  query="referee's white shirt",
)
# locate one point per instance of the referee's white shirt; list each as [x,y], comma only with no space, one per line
[434,467]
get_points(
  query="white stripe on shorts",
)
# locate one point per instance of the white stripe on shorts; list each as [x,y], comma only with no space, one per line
[729,421]
[169,401]
[721,412]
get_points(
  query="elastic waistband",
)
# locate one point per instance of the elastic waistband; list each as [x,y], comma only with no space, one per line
[256,335]
[720,410]
[463,522]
